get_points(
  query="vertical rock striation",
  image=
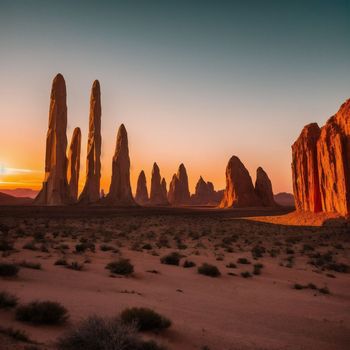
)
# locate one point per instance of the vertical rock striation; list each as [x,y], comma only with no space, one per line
[141,196]
[120,188]
[91,191]
[74,164]
[55,186]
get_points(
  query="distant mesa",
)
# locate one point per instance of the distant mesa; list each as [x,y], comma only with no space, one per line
[74,164]
[321,165]
[91,190]
[158,188]
[284,199]
[240,192]
[205,194]
[141,196]
[55,189]
[6,199]
[120,188]
[179,193]
[21,192]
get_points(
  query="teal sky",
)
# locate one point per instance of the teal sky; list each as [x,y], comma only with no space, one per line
[193,81]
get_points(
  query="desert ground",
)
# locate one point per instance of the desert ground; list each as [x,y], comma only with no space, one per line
[292,290]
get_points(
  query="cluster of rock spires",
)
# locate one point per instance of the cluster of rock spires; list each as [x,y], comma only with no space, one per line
[241,193]
[321,165]
[60,186]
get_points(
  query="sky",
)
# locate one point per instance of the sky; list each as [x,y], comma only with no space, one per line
[194,82]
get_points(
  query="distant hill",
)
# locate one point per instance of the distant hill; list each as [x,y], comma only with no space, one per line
[21,192]
[6,199]
[285,199]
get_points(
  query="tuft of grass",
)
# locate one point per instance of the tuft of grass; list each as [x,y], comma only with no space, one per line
[246,274]
[257,269]
[8,269]
[121,267]
[209,270]
[74,265]
[42,312]
[171,259]
[146,319]
[231,265]
[16,334]
[61,261]
[243,261]
[7,300]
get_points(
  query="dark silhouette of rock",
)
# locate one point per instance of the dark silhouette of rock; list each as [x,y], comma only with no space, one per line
[91,191]
[305,172]
[74,164]
[263,188]
[205,194]
[141,190]
[239,191]
[55,186]
[285,199]
[157,191]
[321,165]
[179,193]
[120,188]
[164,189]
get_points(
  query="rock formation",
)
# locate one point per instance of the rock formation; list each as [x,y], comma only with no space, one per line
[55,186]
[164,190]
[179,193]
[157,196]
[74,164]
[205,194]
[120,188]
[305,170]
[263,189]
[91,191]
[284,199]
[321,174]
[239,191]
[141,190]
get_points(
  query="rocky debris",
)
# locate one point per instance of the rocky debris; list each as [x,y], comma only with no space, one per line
[120,188]
[205,194]
[263,188]
[55,186]
[74,164]
[91,191]
[141,190]
[179,193]
[157,195]
[239,192]
[321,165]
[305,170]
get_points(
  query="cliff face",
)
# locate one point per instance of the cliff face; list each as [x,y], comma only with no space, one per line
[321,165]
[74,164]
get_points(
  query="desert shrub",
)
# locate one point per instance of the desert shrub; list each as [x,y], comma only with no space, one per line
[61,261]
[324,290]
[5,245]
[16,334]
[7,300]
[121,267]
[231,265]
[246,274]
[298,286]
[74,265]
[30,265]
[145,319]
[42,312]
[257,269]
[243,261]
[106,247]
[258,251]
[209,270]
[8,269]
[147,246]
[171,259]
[96,333]
[83,247]
[30,246]
[189,263]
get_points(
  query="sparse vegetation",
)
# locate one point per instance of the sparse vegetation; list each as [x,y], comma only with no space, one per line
[7,300]
[171,259]
[145,319]
[121,267]
[42,312]
[243,261]
[189,263]
[209,270]
[30,265]
[8,269]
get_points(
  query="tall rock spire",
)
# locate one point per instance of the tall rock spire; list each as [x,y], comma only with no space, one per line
[179,193]
[74,164]
[157,193]
[55,187]
[91,191]
[141,190]
[120,188]
[263,188]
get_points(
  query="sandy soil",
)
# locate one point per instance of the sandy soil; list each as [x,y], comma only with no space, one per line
[228,312]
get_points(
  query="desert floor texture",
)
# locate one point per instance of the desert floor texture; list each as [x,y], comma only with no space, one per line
[298,299]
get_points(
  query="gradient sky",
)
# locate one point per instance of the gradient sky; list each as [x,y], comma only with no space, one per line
[193,81]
